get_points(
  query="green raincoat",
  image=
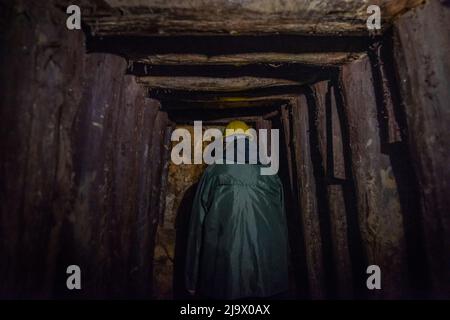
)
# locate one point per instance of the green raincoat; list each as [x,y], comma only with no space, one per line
[237,245]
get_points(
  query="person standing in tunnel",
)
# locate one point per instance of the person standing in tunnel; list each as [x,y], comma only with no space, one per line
[237,243]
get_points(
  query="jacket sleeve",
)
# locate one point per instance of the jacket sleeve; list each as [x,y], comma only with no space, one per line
[194,243]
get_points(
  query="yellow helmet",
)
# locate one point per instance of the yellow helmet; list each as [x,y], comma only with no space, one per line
[237,127]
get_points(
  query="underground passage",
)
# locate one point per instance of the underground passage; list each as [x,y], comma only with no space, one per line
[357,119]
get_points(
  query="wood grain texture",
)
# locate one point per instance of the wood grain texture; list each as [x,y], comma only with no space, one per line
[79,159]
[422,50]
[342,265]
[307,198]
[329,140]
[380,217]
[310,59]
[329,132]
[217,84]
[155,17]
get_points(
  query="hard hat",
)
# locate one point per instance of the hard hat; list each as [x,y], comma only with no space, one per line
[237,127]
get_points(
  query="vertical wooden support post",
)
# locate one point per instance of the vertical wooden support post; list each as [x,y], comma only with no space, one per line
[285,121]
[329,133]
[265,124]
[389,127]
[158,239]
[330,147]
[298,267]
[307,197]
[421,48]
[379,214]
[165,171]
[319,92]
[144,219]
[336,146]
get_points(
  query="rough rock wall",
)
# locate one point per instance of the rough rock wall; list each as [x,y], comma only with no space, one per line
[171,237]
[80,153]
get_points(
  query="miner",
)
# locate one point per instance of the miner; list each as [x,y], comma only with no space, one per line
[237,244]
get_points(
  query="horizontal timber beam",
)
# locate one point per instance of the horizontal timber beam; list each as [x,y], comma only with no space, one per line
[220,48]
[289,71]
[225,104]
[209,114]
[224,17]
[308,58]
[213,84]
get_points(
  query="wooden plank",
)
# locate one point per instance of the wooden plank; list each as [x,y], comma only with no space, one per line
[328,130]
[339,241]
[142,276]
[421,48]
[337,147]
[265,124]
[300,74]
[212,83]
[224,121]
[306,58]
[286,123]
[164,172]
[226,103]
[217,52]
[75,165]
[189,115]
[390,129]
[197,17]
[319,92]
[380,218]
[214,97]
[328,139]
[307,198]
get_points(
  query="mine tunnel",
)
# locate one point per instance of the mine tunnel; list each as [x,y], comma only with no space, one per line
[87,117]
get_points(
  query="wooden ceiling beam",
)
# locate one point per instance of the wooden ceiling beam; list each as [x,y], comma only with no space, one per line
[274,58]
[224,17]
[215,84]
[287,71]
[228,103]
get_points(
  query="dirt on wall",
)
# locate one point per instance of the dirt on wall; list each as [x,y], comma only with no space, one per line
[171,235]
